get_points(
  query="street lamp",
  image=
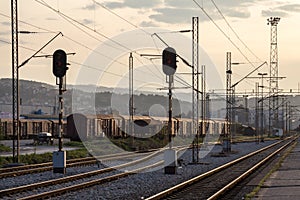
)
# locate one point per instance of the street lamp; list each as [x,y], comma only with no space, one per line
[262,106]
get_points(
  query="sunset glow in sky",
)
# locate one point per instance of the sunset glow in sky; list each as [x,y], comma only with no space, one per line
[88,24]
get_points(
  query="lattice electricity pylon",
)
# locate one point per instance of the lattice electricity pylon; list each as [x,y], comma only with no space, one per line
[229,101]
[15,78]
[273,81]
[195,94]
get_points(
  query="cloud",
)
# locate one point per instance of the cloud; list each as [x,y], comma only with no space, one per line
[89,6]
[134,4]
[290,8]
[235,3]
[114,5]
[282,11]
[3,33]
[269,13]
[51,19]
[238,13]
[6,23]
[207,5]
[174,15]
[87,21]
[179,3]
[148,24]
[181,11]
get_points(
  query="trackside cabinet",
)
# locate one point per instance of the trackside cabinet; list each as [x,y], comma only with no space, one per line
[59,162]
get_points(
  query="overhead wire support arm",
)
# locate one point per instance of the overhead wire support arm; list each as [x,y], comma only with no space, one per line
[27,60]
[50,56]
[160,39]
[184,61]
[248,74]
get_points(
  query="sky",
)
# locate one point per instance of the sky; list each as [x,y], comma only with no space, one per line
[103,33]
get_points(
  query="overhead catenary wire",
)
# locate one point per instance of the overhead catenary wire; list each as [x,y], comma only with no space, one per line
[220,29]
[44,29]
[104,71]
[81,43]
[65,36]
[235,33]
[70,20]
[76,63]
[23,47]
[135,26]
[73,20]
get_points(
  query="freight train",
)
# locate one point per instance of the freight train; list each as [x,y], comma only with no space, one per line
[30,126]
[81,127]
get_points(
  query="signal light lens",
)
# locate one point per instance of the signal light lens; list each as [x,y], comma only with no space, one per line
[60,63]
[169,61]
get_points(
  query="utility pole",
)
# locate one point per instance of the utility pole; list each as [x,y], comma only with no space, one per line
[273,81]
[256,112]
[15,76]
[262,106]
[131,109]
[286,118]
[246,109]
[203,102]
[170,129]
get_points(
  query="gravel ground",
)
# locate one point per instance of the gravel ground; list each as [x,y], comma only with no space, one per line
[142,185]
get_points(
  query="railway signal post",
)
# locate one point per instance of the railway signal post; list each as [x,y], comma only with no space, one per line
[59,70]
[169,68]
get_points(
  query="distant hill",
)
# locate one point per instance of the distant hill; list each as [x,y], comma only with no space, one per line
[37,96]
[31,92]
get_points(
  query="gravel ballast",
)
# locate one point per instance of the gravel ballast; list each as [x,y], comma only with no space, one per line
[143,185]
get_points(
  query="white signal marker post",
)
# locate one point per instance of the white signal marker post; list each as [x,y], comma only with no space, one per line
[169,68]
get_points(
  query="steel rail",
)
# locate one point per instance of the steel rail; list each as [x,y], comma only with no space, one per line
[72,177]
[88,184]
[42,167]
[247,173]
[187,183]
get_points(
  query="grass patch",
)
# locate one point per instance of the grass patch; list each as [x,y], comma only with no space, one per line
[78,153]
[42,158]
[104,146]
[74,144]
[4,148]
[274,169]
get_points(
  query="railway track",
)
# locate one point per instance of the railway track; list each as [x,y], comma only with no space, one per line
[70,183]
[37,168]
[213,184]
